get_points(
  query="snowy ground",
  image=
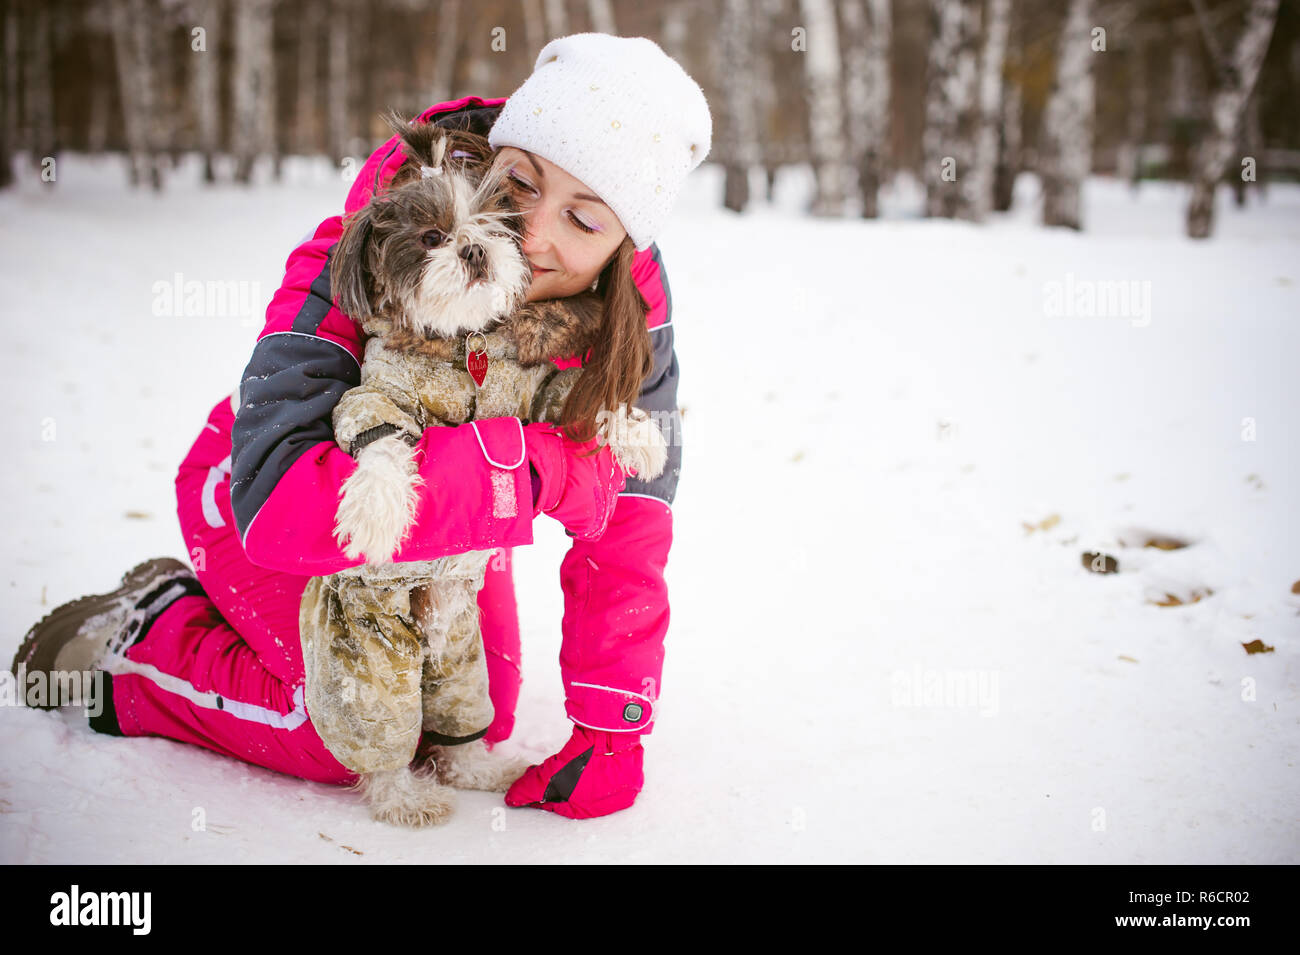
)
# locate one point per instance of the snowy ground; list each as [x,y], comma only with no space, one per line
[875,412]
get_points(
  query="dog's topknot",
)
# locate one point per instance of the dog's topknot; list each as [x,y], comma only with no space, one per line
[427,144]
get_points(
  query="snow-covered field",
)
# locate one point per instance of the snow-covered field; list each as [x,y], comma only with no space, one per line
[871,658]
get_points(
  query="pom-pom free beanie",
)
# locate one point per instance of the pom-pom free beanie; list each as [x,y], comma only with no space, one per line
[619,115]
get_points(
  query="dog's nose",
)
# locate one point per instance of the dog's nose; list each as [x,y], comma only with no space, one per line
[473,256]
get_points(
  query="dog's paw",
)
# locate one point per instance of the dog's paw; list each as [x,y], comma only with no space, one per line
[474,766]
[637,443]
[401,797]
[378,501]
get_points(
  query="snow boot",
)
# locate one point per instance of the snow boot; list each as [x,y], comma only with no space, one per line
[76,637]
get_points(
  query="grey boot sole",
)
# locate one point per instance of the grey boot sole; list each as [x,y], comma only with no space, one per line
[42,644]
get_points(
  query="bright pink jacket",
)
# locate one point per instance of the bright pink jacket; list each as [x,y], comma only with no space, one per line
[287,470]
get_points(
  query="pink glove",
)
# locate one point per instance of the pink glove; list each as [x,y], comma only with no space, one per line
[596,773]
[579,492]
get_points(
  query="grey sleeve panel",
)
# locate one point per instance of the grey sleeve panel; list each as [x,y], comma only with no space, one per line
[286,404]
[659,397]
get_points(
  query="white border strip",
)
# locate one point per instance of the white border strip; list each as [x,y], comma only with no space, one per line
[523,447]
[249,712]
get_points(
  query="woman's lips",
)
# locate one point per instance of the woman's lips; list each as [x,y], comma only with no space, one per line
[537,271]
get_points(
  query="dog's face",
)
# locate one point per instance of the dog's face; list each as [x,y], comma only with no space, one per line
[439,250]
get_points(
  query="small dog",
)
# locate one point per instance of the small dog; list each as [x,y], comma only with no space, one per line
[434,271]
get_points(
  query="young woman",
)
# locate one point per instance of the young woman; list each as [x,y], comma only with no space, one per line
[599,139]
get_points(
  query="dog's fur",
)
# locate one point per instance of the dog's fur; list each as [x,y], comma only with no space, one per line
[432,259]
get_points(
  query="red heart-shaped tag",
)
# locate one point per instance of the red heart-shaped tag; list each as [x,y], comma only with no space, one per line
[476,363]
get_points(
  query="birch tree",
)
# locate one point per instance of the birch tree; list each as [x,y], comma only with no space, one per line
[948,140]
[8,89]
[534,28]
[601,14]
[448,41]
[1010,158]
[676,19]
[1237,75]
[978,194]
[307,99]
[866,28]
[1067,121]
[204,54]
[38,79]
[132,25]
[1011,112]
[557,19]
[1129,158]
[736,71]
[339,70]
[253,82]
[826,124]
[764,40]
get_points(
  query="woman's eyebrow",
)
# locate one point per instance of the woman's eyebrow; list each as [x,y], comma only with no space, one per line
[576,195]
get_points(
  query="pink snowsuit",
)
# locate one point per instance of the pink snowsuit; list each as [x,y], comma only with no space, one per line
[257,496]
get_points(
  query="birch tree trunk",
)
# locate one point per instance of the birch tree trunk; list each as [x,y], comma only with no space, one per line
[948,140]
[1010,119]
[340,65]
[1251,143]
[205,89]
[8,90]
[825,110]
[1129,160]
[534,28]
[1010,155]
[162,50]
[557,19]
[39,80]
[132,22]
[866,40]
[1210,159]
[601,13]
[99,67]
[307,98]
[1181,110]
[675,22]
[444,66]
[1067,121]
[763,39]
[253,86]
[735,69]
[984,171]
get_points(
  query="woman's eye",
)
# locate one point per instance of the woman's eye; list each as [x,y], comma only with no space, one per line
[515,179]
[432,239]
[576,221]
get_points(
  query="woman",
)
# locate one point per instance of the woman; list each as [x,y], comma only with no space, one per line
[599,139]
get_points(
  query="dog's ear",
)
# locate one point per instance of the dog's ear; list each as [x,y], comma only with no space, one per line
[350,284]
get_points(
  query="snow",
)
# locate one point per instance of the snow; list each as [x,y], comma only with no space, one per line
[871,659]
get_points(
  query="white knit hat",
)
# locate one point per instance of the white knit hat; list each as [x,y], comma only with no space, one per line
[619,115]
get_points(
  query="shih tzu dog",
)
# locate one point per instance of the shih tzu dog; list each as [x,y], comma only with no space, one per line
[433,270]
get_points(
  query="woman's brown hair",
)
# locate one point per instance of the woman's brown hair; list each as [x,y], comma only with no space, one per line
[622,357]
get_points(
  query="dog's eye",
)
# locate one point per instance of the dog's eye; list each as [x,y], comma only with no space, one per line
[432,239]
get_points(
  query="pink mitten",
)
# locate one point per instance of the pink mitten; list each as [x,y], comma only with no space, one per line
[596,773]
[578,490]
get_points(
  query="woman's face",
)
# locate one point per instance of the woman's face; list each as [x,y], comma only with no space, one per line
[570,234]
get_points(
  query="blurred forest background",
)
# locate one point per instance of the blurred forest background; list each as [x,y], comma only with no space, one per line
[961,94]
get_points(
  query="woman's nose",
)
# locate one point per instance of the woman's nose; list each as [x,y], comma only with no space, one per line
[536,237]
